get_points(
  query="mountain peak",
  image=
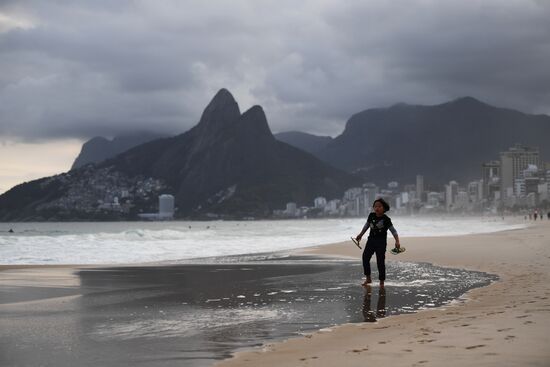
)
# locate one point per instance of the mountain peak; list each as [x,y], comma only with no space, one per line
[99,148]
[223,95]
[467,100]
[255,123]
[400,105]
[222,110]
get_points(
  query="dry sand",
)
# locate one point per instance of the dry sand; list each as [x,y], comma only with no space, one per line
[504,324]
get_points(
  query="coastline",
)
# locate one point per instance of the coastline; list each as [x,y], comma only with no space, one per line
[503,324]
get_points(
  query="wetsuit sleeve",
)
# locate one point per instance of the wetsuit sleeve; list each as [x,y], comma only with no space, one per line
[391,228]
[366,226]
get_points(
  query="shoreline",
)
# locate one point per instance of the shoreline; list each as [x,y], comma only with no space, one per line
[502,324]
[214,308]
[169,242]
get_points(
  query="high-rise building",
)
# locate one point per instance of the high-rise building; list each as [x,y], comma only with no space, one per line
[419,186]
[371,191]
[530,179]
[491,179]
[475,191]
[353,193]
[513,162]
[451,191]
[462,199]
[544,191]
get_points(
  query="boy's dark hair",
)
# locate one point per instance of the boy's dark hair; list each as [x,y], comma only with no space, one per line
[385,205]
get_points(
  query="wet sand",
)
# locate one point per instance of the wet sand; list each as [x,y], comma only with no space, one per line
[196,313]
[504,324]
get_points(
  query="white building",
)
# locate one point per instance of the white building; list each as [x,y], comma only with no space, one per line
[398,202]
[405,198]
[353,193]
[320,202]
[333,207]
[291,209]
[531,200]
[462,200]
[513,162]
[544,191]
[393,185]
[433,199]
[451,190]
[166,206]
[491,180]
[166,209]
[475,190]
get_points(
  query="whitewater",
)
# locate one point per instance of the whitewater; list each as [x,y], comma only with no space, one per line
[140,242]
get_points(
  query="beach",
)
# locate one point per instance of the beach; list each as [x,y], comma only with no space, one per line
[170,314]
[503,324]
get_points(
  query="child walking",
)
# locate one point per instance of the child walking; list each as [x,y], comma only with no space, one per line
[379,224]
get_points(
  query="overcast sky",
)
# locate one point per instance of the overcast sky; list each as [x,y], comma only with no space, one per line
[71,70]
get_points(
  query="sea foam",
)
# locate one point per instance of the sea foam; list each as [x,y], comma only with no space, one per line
[138,242]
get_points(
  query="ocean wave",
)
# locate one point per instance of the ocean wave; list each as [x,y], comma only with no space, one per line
[116,243]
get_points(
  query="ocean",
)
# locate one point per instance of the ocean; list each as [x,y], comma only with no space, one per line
[141,242]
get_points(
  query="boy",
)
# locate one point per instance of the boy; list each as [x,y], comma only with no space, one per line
[379,224]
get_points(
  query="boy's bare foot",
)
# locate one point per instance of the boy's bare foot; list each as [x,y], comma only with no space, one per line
[381,284]
[367,281]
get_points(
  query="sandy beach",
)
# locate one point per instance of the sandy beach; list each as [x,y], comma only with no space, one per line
[115,316]
[504,324]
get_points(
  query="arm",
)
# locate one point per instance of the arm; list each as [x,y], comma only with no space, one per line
[395,235]
[360,235]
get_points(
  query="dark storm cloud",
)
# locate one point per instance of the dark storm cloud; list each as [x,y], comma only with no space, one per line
[430,53]
[78,69]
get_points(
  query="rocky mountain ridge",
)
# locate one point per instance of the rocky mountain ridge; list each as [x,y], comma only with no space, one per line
[227,166]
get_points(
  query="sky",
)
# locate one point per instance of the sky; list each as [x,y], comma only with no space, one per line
[73,69]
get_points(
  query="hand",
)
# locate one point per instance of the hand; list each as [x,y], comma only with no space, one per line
[397,245]
[358,238]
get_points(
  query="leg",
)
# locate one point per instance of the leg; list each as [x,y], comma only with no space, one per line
[381,262]
[367,255]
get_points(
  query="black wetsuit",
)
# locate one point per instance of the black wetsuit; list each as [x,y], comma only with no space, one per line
[376,243]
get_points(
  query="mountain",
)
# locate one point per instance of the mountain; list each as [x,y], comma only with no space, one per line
[442,142]
[99,148]
[307,142]
[229,165]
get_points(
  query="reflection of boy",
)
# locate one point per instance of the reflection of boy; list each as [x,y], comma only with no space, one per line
[368,315]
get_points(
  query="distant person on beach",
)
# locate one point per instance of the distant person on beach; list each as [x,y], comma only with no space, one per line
[548,215]
[379,224]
